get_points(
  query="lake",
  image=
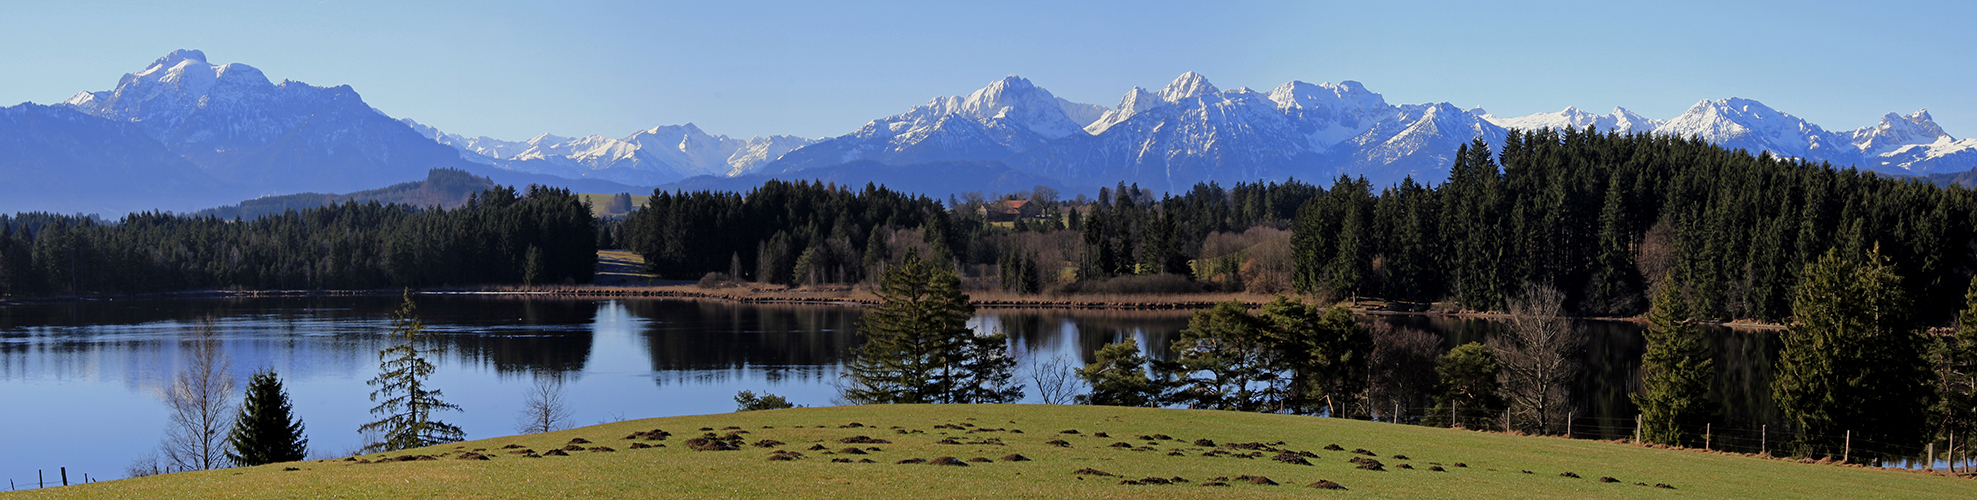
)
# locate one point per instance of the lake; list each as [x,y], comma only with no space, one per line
[83,382]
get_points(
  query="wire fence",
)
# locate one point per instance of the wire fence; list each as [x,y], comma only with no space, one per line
[44,479]
[1949,453]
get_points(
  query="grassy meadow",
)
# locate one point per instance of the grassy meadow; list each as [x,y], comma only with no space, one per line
[816,462]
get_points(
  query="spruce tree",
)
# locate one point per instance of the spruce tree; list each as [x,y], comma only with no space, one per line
[1676,373]
[404,401]
[266,430]
[1852,362]
[914,340]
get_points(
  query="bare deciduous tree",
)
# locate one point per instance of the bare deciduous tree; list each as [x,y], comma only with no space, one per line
[1536,358]
[545,410]
[200,406]
[1053,380]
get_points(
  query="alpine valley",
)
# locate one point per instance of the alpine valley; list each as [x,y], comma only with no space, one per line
[184,134]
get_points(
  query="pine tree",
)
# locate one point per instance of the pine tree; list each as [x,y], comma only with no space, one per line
[1118,377]
[404,401]
[915,338]
[1852,362]
[266,430]
[1676,373]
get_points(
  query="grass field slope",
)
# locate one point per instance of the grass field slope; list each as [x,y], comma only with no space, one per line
[1028,451]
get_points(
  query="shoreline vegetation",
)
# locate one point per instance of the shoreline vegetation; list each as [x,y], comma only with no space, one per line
[845,295]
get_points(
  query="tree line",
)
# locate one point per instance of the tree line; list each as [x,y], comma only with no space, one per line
[542,236]
[1609,217]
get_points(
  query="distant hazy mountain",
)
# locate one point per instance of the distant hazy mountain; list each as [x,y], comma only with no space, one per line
[57,159]
[264,137]
[1188,132]
[445,188]
[1903,145]
[647,157]
[184,134]
[937,179]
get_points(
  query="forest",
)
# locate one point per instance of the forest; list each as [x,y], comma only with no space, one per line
[1604,217]
[543,235]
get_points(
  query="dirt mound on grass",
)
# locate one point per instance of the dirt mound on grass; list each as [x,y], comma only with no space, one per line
[1092,472]
[601,449]
[1256,480]
[639,446]
[473,456]
[1368,463]
[1291,458]
[912,461]
[712,444]
[853,450]
[574,447]
[512,447]
[766,443]
[817,447]
[1608,479]
[863,440]
[980,460]
[1437,468]
[579,441]
[1326,485]
[1663,486]
[1204,442]
[1568,474]
[651,435]
[1058,442]
[1012,457]
[555,453]
[1334,447]
[948,461]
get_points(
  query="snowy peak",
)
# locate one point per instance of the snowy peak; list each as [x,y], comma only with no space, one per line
[177,56]
[647,157]
[1015,100]
[1738,123]
[1620,120]
[1189,84]
[1896,131]
[1138,100]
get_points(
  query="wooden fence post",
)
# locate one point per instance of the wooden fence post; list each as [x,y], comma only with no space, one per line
[1931,459]
[1764,439]
[1847,451]
[1568,425]
[65,476]
[1706,429]
[1637,428]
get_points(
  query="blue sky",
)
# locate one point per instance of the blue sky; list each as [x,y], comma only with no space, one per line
[513,69]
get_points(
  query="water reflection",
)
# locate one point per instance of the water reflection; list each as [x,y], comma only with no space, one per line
[94,372]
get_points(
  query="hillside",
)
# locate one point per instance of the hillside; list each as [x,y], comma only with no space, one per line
[1166,451]
[443,187]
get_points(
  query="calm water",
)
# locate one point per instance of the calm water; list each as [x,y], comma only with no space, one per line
[82,383]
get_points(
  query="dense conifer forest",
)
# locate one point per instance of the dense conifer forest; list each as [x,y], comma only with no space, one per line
[501,236]
[1607,218]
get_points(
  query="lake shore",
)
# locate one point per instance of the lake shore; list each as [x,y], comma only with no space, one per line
[841,295]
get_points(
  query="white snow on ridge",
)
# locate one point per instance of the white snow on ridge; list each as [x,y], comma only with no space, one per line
[647,157]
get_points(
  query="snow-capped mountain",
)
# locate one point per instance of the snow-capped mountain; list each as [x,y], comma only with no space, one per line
[1006,117]
[264,137]
[1907,145]
[1620,120]
[648,157]
[1187,132]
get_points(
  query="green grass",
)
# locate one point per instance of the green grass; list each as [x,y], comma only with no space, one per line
[1495,463]
[598,200]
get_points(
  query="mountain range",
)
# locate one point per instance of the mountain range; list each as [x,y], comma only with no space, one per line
[183,134]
